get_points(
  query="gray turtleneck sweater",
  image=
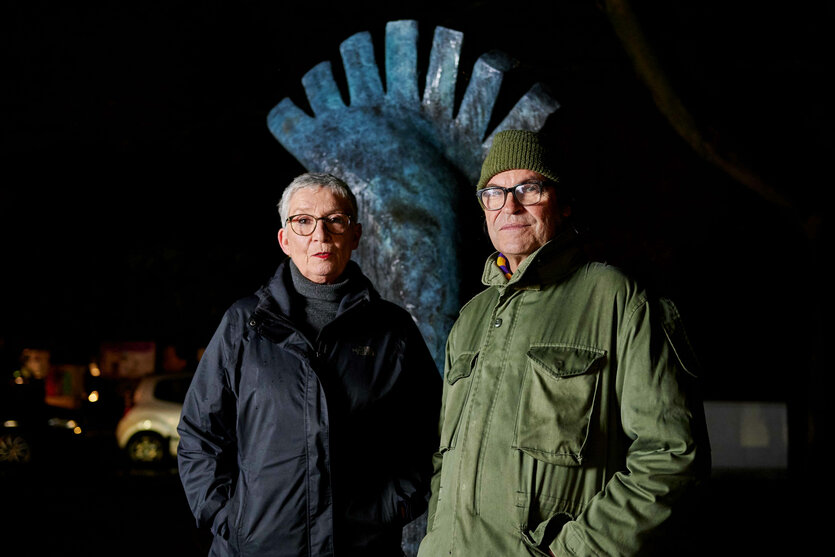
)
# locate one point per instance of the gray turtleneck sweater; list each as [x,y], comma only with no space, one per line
[318,303]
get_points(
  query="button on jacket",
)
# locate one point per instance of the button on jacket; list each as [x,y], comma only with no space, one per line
[296,446]
[569,419]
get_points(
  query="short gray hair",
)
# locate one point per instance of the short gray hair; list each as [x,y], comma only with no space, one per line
[314,180]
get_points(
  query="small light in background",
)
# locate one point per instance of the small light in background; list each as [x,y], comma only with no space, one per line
[93,397]
[94,370]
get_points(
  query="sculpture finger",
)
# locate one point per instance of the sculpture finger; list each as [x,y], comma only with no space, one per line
[291,127]
[481,93]
[439,92]
[364,84]
[529,113]
[321,89]
[401,62]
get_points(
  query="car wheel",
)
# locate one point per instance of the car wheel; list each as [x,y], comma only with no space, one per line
[146,447]
[14,449]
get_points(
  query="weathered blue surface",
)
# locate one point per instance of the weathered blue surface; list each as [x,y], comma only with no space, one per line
[407,159]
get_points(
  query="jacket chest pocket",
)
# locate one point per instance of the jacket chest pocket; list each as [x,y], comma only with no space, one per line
[557,398]
[457,389]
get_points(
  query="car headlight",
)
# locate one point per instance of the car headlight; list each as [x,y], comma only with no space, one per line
[64,423]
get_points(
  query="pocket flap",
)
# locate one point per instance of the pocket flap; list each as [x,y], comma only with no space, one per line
[560,360]
[461,367]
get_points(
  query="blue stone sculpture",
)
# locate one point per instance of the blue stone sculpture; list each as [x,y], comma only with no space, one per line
[407,158]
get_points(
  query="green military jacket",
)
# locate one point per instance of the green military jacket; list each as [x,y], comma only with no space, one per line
[568,420]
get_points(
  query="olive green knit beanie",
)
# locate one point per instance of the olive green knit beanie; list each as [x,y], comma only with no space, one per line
[516,149]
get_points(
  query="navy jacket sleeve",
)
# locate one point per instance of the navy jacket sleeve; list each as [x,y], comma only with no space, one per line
[397,472]
[207,451]
[418,399]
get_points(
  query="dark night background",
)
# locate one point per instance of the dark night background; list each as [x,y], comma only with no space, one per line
[140,179]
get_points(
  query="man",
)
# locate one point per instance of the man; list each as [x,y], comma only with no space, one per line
[309,425]
[568,424]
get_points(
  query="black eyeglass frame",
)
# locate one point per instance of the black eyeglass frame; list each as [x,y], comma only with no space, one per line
[325,220]
[540,183]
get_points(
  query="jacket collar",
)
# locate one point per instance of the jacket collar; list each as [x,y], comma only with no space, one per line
[275,298]
[555,260]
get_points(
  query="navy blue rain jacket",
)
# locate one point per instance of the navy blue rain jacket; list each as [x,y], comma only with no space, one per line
[296,446]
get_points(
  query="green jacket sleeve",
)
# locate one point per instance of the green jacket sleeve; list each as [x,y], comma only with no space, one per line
[662,422]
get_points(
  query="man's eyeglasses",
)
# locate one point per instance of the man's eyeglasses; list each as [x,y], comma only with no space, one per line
[305,225]
[493,198]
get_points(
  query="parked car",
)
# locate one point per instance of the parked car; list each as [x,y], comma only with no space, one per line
[32,431]
[147,433]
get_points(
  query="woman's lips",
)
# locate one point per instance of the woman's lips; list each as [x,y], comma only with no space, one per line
[322,255]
